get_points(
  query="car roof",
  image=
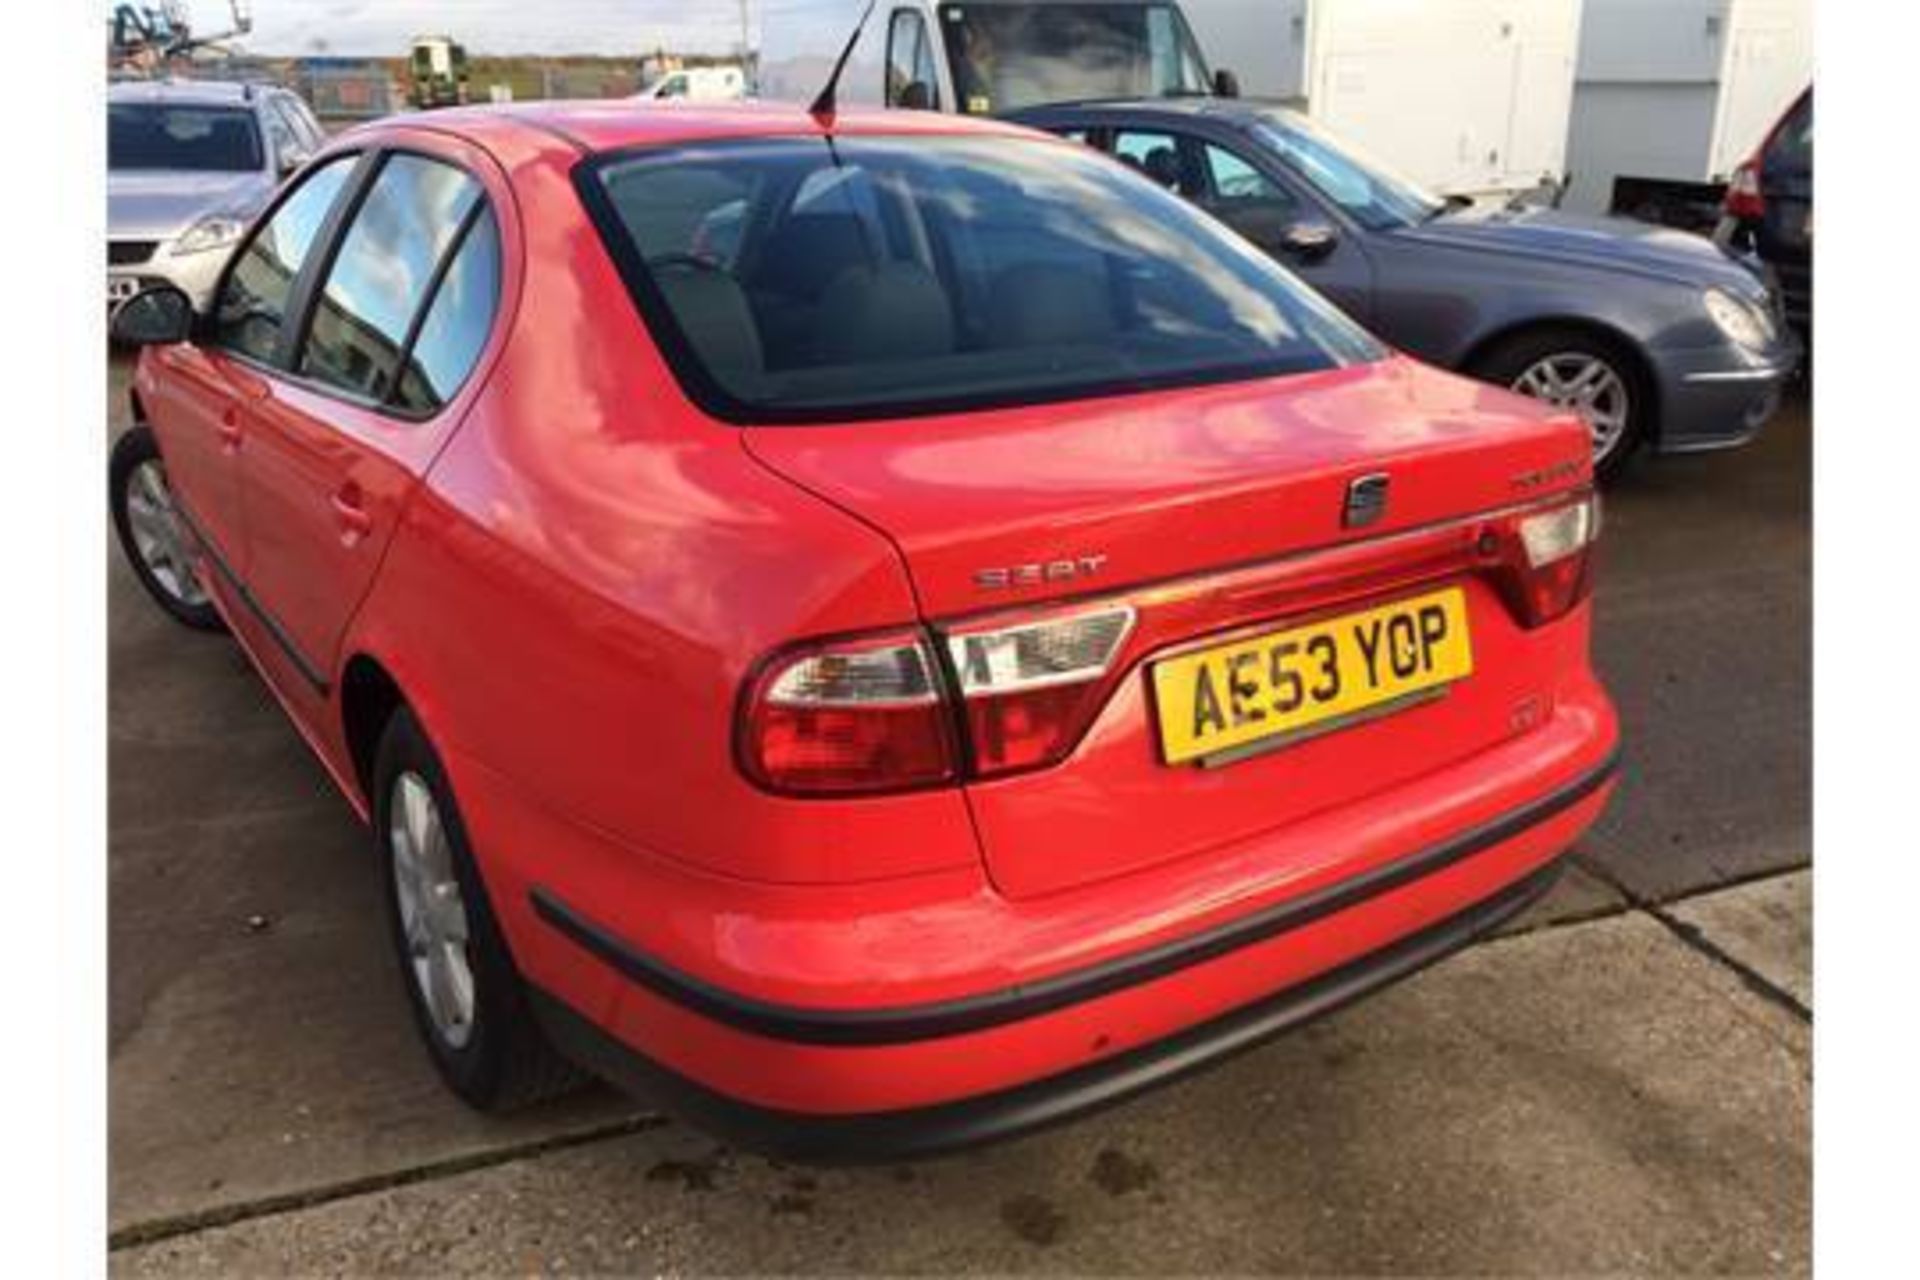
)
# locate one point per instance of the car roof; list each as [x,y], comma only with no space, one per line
[619,123]
[209,93]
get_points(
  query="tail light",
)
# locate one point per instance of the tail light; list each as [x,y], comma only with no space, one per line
[1744,199]
[893,712]
[862,716]
[876,714]
[1544,557]
[1030,690]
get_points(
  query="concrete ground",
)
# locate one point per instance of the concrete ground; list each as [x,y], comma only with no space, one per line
[1619,1083]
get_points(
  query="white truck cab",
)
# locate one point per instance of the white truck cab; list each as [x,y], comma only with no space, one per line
[983,57]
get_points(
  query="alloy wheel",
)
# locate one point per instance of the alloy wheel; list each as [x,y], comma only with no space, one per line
[433,914]
[159,536]
[1589,386]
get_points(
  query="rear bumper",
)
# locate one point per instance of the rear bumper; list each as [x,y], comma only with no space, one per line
[944,1041]
[937,1020]
[925,1131]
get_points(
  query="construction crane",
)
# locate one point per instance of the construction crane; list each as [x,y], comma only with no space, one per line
[143,38]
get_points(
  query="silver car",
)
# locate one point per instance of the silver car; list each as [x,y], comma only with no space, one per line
[188,164]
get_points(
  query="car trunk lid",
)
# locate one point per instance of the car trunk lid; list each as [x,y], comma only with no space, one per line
[1209,511]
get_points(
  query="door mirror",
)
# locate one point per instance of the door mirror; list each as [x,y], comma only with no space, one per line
[1225,83]
[1308,241]
[291,158]
[916,96]
[152,317]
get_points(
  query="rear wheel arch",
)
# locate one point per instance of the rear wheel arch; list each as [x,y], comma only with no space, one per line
[487,1047]
[1622,344]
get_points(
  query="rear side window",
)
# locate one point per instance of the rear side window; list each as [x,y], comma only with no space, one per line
[457,321]
[252,306]
[381,277]
[787,280]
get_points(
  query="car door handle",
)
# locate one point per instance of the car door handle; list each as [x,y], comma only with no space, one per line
[350,512]
[229,430]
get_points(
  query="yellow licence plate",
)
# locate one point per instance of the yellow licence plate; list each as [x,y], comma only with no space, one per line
[1272,687]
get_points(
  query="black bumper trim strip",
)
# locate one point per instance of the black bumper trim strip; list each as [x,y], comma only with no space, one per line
[927,1131]
[907,1023]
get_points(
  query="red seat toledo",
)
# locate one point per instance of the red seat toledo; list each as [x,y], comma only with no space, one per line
[891,629]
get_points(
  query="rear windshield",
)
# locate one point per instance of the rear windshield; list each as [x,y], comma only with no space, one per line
[790,280]
[146,135]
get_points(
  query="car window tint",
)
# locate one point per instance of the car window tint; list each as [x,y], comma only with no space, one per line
[1792,146]
[883,275]
[252,305]
[1232,178]
[910,62]
[1155,154]
[696,212]
[457,321]
[147,135]
[380,275]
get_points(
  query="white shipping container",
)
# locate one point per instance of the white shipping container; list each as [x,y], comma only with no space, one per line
[1680,91]
[1466,96]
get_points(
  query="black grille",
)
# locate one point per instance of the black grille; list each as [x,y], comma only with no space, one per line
[125,253]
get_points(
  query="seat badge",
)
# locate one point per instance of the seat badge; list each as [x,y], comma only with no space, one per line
[1366,500]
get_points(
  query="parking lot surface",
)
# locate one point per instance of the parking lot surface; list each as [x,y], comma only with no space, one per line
[1621,1082]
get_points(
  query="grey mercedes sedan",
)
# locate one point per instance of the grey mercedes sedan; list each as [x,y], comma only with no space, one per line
[189,162]
[1656,337]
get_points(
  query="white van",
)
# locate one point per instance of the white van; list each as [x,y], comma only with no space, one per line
[983,57]
[699,84]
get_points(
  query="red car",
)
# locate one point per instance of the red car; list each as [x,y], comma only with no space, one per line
[891,628]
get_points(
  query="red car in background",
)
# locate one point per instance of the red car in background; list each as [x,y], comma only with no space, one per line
[1768,209]
[890,628]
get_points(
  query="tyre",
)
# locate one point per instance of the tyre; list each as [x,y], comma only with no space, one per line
[152,533]
[467,997]
[1584,372]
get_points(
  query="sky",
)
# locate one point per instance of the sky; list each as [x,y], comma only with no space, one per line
[385,27]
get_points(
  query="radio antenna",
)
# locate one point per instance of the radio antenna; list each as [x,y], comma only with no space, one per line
[823,106]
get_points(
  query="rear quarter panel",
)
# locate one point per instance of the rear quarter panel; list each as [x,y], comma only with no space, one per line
[577,593]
